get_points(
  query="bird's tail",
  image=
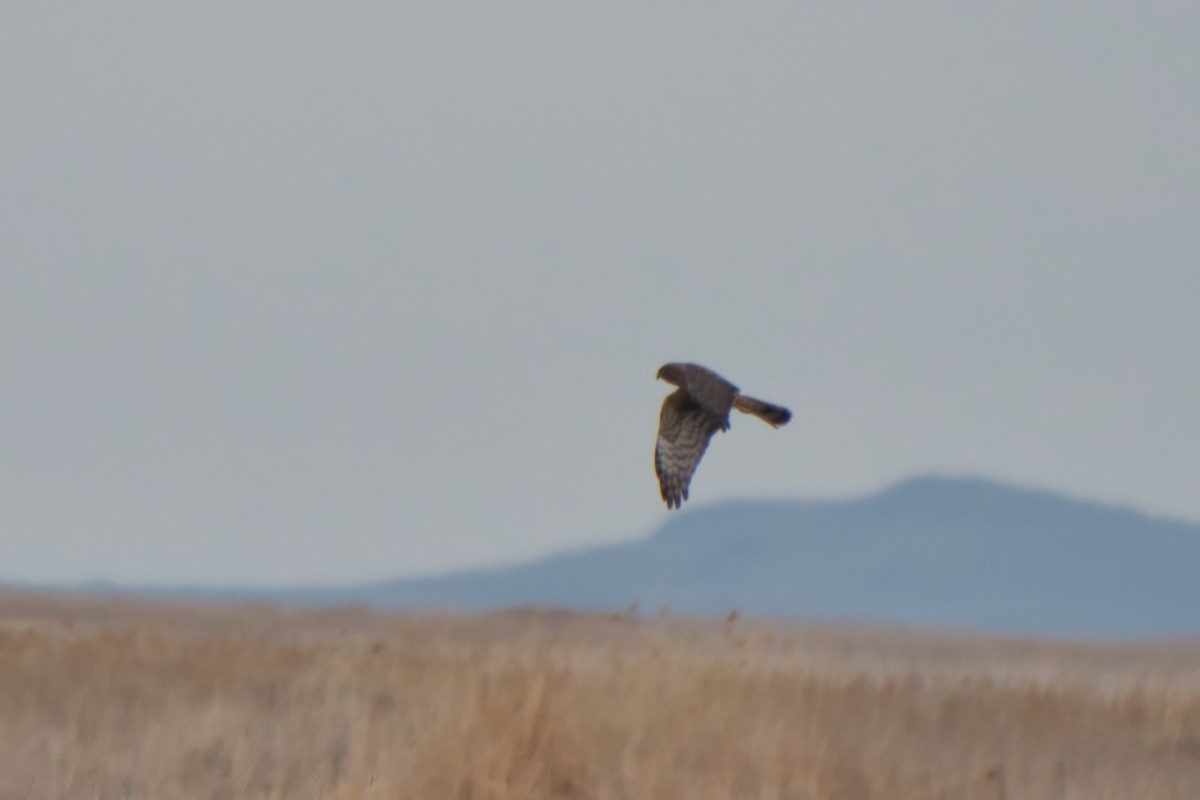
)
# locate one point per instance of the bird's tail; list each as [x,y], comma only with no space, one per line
[769,413]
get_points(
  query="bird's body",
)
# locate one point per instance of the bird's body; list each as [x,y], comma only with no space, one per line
[690,416]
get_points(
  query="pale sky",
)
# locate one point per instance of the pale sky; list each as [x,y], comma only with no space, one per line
[315,293]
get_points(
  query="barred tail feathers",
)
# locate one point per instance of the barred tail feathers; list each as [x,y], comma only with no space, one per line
[769,413]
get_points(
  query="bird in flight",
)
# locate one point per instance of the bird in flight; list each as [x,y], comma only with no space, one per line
[690,416]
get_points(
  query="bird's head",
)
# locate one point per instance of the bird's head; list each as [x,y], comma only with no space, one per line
[672,374]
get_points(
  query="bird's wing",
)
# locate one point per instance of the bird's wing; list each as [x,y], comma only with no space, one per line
[684,429]
[711,392]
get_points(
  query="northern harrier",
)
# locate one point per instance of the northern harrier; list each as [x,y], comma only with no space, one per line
[690,416]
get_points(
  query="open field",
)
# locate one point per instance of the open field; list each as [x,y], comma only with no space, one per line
[120,699]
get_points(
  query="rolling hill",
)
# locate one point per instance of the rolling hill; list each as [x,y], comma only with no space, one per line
[929,551]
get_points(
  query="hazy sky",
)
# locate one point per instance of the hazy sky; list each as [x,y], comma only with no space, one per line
[300,292]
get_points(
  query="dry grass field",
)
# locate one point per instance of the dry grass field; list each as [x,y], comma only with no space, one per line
[119,699]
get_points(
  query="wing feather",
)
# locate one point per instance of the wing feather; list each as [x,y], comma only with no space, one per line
[684,431]
[710,391]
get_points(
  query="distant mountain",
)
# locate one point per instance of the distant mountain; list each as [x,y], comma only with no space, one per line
[929,551]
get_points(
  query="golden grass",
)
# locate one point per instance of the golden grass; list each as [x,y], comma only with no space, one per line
[118,699]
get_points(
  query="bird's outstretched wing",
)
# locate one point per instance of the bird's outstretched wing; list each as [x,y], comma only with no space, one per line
[684,429]
[710,391]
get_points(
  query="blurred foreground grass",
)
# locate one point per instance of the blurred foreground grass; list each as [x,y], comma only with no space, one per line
[104,698]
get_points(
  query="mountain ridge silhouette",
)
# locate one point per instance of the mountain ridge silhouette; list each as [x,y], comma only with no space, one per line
[930,550]
[958,552]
